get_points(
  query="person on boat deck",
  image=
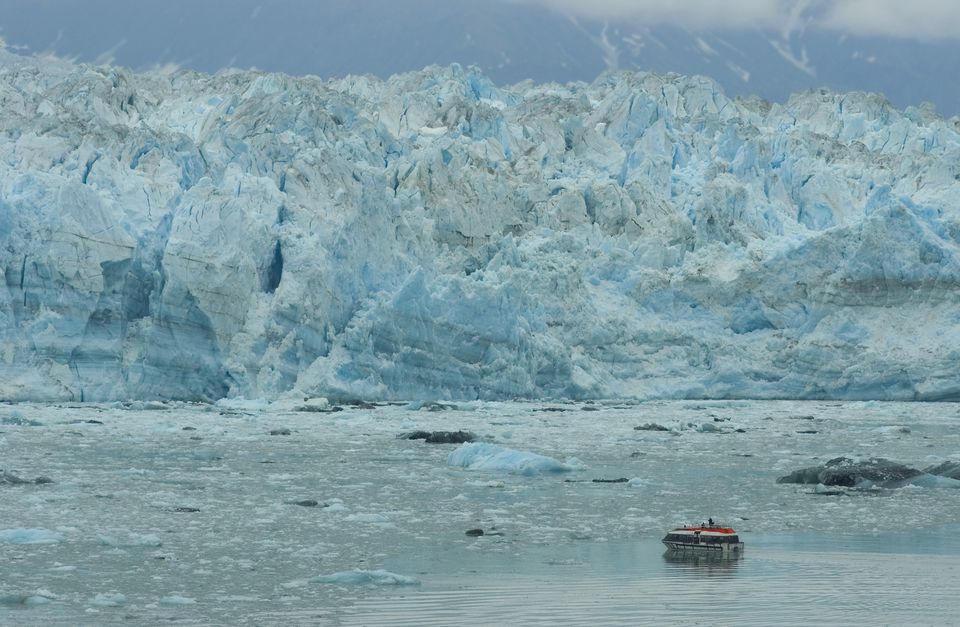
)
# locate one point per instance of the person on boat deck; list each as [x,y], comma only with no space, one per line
[710,521]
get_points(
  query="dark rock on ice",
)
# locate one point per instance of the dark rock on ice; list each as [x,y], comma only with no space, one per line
[946,469]
[189,429]
[319,409]
[589,408]
[808,431]
[186,510]
[17,420]
[360,405]
[432,406]
[414,435]
[206,456]
[620,480]
[85,422]
[280,432]
[846,472]
[830,492]
[650,426]
[8,478]
[304,503]
[474,533]
[439,437]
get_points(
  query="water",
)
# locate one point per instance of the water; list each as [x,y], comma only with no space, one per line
[895,579]
[189,513]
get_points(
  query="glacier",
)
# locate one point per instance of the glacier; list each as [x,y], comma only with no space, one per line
[434,235]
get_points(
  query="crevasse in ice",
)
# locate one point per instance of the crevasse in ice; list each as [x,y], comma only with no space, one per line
[437,236]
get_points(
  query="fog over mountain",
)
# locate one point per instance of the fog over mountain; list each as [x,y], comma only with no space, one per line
[770,48]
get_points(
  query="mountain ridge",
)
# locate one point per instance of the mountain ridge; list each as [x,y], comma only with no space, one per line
[509,41]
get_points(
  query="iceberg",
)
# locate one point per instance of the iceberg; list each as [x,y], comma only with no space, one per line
[29,536]
[436,236]
[490,457]
[366,577]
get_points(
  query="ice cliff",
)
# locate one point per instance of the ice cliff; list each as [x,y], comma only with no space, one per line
[437,236]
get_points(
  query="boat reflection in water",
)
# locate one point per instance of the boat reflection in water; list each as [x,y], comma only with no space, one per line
[686,562]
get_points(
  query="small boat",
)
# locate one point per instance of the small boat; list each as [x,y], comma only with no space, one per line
[712,538]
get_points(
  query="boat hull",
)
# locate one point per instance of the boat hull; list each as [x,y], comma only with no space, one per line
[713,549]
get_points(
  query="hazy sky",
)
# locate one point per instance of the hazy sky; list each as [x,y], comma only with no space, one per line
[908,50]
[920,19]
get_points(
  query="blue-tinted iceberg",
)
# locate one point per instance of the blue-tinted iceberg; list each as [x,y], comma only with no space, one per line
[29,536]
[366,577]
[490,457]
[437,236]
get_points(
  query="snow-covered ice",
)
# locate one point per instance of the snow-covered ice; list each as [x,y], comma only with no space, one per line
[109,599]
[435,236]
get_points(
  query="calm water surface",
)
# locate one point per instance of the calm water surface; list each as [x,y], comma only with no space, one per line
[888,579]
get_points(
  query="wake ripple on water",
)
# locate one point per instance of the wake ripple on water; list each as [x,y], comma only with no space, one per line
[768,587]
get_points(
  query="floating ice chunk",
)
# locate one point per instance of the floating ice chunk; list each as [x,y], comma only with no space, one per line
[484,456]
[242,404]
[176,599]
[893,429]
[367,577]
[123,538]
[636,482]
[23,599]
[854,472]
[109,599]
[319,404]
[29,536]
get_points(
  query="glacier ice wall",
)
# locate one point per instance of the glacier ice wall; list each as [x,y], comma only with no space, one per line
[434,235]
